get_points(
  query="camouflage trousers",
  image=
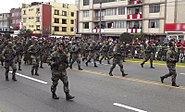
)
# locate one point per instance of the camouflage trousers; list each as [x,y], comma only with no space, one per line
[172,71]
[7,67]
[59,75]
[117,62]
[75,57]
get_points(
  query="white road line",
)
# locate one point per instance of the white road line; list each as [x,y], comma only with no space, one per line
[30,78]
[128,107]
[182,73]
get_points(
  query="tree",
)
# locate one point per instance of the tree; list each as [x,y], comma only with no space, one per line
[139,36]
[25,33]
[126,37]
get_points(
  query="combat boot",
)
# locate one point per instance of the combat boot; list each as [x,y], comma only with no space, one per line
[108,62]
[79,68]
[110,74]
[86,63]
[142,65]
[69,97]
[36,73]
[174,84]
[95,65]
[6,78]
[32,72]
[14,78]
[123,74]
[54,96]
[162,79]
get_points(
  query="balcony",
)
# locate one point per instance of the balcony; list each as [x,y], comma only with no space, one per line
[97,30]
[134,30]
[98,18]
[135,16]
[135,2]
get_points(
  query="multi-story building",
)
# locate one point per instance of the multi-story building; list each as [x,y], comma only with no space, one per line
[132,16]
[37,17]
[4,22]
[53,18]
[15,18]
[63,19]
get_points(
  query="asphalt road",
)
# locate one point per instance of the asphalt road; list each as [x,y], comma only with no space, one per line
[95,91]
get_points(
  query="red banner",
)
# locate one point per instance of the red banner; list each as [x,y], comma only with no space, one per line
[175,27]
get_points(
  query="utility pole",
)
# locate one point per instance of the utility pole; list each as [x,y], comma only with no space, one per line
[100,20]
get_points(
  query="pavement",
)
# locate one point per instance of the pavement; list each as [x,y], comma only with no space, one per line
[95,90]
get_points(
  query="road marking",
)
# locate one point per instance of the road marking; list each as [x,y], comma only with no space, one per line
[182,73]
[30,78]
[128,78]
[128,107]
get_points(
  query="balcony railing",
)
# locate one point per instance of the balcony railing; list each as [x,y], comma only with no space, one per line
[134,30]
[98,18]
[135,16]
[135,2]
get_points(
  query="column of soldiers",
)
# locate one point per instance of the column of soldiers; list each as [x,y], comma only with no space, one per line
[36,52]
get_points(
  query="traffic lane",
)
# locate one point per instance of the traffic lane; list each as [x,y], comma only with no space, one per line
[148,97]
[134,70]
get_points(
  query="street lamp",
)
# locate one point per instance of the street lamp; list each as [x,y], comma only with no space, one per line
[100,20]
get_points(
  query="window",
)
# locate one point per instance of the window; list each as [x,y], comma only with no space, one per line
[56,20]
[86,25]
[64,13]
[24,12]
[56,28]
[37,19]
[72,14]
[85,13]
[153,23]
[72,29]
[64,29]
[85,2]
[38,10]
[119,24]
[154,8]
[110,25]
[72,21]
[64,21]
[56,12]
[121,10]
[112,11]
[103,1]
[31,9]
[37,27]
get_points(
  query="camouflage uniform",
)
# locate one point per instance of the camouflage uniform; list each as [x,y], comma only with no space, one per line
[35,50]
[9,57]
[104,53]
[149,54]
[172,59]
[75,52]
[19,52]
[59,63]
[117,59]
[92,54]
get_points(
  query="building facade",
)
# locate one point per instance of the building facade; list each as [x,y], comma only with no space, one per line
[132,16]
[4,22]
[63,19]
[15,19]
[37,17]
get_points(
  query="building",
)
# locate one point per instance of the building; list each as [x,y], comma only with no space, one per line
[132,16]
[4,22]
[52,18]
[63,19]
[15,19]
[37,17]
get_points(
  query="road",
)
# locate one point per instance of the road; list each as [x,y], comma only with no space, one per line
[95,91]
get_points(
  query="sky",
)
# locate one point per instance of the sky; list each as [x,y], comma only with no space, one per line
[6,5]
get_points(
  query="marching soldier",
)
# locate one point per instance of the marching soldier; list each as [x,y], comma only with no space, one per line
[35,50]
[59,63]
[171,60]
[104,52]
[9,58]
[75,52]
[19,52]
[149,54]
[117,59]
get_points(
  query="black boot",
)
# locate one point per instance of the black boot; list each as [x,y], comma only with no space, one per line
[142,65]
[174,84]
[123,74]
[108,62]
[162,79]
[110,74]
[86,63]
[69,97]
[14,78]
[54,96]
[95,65]
[79,68]
[36,73]
[32,71]
[6,78]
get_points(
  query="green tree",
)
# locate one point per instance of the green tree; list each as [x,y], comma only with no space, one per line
[126,37]
[25,33]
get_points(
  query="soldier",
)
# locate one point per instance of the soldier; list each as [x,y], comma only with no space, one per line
[149,54]
[171,60]
[9,57]
[104,52]
[19,52]
[92,54]
[35,50]
[117,59]
[75,52]
[59,63]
